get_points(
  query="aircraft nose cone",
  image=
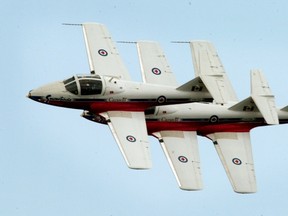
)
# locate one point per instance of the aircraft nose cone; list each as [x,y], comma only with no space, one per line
[37,95]
[32,96]
[29,94]
[43,93]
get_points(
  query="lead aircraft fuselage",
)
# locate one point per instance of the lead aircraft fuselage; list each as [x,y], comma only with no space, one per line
[103,93]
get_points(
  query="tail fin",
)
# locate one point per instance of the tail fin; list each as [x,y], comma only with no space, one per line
[195,85]
[261,99]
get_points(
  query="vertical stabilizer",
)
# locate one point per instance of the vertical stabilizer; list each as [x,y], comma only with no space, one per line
[263,97]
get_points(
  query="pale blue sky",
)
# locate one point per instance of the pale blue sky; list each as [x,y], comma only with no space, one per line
[53,162]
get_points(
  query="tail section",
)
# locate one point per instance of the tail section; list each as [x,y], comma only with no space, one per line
[195,85]
[261,99]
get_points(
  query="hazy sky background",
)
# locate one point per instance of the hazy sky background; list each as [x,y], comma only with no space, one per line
[53,162]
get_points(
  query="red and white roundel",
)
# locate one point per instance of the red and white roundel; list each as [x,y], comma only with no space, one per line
[236,161]
[131,138]
[183,159]
[102,52]
[156,71]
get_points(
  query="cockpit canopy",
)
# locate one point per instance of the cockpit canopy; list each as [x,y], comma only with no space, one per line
[84,85]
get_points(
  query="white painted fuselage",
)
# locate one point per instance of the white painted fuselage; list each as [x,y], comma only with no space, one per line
[206,118]
[101,93]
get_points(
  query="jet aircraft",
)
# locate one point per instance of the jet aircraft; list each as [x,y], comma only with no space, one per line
[108,96]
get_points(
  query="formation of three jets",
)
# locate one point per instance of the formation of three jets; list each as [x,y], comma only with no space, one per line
[174,114]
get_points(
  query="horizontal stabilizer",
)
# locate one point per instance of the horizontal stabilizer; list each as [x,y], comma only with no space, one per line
[130,133]
[235,152]
[154,65]
[181,151]
[263,97]
[208,67]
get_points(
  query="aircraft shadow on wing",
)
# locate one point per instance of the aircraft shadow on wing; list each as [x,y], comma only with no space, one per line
[175,114]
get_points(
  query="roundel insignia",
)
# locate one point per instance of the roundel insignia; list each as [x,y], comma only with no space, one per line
[156,71]
[131,138]
[214,119]
[102,52]
[236,161]
[161,99]
[183,159]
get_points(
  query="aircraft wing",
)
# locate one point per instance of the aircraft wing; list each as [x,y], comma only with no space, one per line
[129,130]
[154,66]
[235,152]
[103,56]
[181,151]
[208,67]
